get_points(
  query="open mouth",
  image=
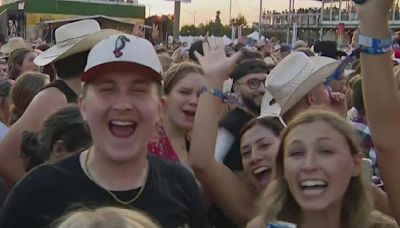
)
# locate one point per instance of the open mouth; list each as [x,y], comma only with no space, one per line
[122,128]
[263,175]
[189,114]
[313,187]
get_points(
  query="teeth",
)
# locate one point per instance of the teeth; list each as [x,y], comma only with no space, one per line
[122,123]
[260,169]
[313,183]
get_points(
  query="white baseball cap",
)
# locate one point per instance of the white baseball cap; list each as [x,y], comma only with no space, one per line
[129,51]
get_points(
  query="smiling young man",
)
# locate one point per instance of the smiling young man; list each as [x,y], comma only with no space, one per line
[121,105]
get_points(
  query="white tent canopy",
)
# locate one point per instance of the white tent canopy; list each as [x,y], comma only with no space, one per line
[226,40]
[255,35]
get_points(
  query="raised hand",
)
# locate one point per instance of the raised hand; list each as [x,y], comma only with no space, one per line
[155,33]
[338,103]
[216,65]
[138,30]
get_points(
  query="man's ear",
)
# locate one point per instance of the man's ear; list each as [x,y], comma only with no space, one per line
[160,114]
[163,101]
[82,106]
[310,99]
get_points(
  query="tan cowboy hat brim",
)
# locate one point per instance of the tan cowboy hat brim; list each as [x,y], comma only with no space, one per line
[309,83]
[4,55]
[58,52]
[8,48]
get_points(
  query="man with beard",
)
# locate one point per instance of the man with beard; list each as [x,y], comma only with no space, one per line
[249,85]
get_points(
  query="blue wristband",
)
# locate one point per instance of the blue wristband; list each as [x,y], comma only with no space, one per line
[374,46]
[228,97]
[214,92]
[377,51]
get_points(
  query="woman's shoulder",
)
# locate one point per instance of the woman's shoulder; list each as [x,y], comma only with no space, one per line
[380,220]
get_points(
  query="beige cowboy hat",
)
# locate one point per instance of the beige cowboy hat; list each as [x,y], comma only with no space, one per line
[300,44]
[270,108]
[74,38]
[14,43]
[296,75]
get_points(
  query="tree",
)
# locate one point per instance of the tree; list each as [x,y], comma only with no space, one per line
[239,20]
[189,30]
[215,28]
[218,18]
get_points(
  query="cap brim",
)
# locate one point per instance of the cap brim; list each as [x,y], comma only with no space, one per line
[56,53]
[120,66]
[307,85]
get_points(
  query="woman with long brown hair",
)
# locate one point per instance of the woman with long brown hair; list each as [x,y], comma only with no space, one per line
[319,179]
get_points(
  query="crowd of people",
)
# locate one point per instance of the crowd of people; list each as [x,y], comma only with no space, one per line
[107,129]
[314,16]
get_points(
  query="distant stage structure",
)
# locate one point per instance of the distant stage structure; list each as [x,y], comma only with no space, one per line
[326,22]
[39,18]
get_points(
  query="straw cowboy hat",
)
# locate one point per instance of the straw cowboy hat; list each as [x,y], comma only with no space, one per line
[270,108]
[300,44]
[14,43]
[74,38]
[296,75]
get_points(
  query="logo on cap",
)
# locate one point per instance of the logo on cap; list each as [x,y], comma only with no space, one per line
[120,44]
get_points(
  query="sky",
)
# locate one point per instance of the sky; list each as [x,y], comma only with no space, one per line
[205,10]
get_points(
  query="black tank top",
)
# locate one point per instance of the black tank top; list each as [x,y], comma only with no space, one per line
[71,96]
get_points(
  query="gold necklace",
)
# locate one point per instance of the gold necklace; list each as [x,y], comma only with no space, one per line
[110,192]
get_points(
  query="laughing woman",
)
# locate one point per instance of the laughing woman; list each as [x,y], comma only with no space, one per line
[259,145]
[181,91]
[319,182]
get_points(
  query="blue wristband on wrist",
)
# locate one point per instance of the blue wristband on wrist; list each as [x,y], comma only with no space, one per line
[374,46]
[214,92]
[229,98]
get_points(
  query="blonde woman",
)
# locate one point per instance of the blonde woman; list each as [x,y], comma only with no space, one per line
[319,182]
[181,91]
[110,217]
